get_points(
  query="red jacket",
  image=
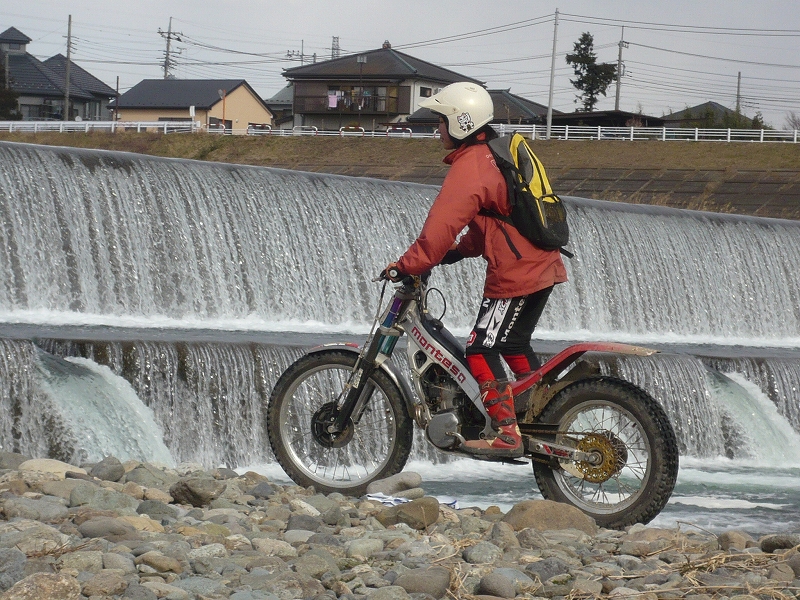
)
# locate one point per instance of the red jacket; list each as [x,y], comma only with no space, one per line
[474,182]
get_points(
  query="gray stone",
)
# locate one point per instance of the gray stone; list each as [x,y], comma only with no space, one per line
[482,553]
[113,530]
[99,498]
[135,591]
[52,586]
[547,568]
[108,469]
[497,584]
[316,563]
[396,483]
[290,586]
[733,540]
[306,522]
[201,586]
[389,592]
[157,510]
[12,567]
[364,547]
[262,491]
[503,535]
[90,561]
[522,583]
[119,562]
[197,491]
[44,510]
[12,460]
[431,580]
[104,584]
[779,541]
[530,538]
[146,475]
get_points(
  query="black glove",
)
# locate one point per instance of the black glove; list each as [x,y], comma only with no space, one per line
[452,256]
[392,273]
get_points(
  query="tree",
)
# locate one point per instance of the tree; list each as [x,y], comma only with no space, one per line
[8,97]
[792,120]
[592,79]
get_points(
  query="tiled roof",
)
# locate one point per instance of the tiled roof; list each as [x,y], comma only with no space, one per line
[12,35]
[380,64]
[78,77]
[699,111]
[30,76]
[179,93]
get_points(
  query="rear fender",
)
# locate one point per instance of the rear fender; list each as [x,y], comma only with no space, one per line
[387,366]
[536,390]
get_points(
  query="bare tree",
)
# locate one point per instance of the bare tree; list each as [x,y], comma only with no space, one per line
[792,120]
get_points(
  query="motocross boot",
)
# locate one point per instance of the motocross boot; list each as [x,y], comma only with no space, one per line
[500,406]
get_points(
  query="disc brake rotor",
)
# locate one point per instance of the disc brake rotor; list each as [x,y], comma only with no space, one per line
[320,422]
[613,456]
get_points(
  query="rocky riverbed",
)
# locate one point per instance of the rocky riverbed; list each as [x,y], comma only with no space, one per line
[139,531]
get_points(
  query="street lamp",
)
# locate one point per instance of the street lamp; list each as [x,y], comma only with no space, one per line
[360,59]
[222,95]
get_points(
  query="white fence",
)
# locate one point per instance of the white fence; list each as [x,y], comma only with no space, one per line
[562,132]
[106,126]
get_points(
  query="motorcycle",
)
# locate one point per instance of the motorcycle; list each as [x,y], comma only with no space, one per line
[342,416]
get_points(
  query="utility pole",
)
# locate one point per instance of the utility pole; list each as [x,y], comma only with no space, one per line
[552,79]
[65,116]
[292,53]
[738,93]
[169,35]
[622,44]
[336,51]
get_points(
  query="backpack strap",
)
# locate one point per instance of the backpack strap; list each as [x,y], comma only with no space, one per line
[504,219]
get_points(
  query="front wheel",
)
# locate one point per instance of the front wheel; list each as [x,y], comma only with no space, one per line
[635,447]
[305,398]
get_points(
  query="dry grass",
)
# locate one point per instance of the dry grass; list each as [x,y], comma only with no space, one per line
[287,151]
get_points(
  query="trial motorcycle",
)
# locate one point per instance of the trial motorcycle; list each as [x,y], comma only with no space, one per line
[343,415]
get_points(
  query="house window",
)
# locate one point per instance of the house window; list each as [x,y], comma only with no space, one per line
[425,92]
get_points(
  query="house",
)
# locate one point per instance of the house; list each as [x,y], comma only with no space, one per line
[280,105]
[371,89]
[707,115]
[509,109]
[207,101]
[42,85]
[606,118]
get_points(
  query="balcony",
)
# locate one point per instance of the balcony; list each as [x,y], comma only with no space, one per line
[347,103]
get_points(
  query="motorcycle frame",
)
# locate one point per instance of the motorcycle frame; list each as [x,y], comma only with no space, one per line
[428,339]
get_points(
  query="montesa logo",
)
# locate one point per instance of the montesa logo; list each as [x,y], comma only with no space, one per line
[436,354]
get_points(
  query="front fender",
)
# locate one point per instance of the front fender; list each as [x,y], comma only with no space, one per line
[387,366]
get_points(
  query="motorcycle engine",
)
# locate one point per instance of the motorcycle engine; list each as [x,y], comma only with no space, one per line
[451,409]
[441,392]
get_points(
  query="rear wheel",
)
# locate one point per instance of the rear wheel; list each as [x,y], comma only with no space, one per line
[302,403]
[635,447]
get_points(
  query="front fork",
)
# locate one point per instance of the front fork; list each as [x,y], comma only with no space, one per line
[357,391]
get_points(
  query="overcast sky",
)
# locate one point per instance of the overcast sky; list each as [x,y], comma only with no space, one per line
[680,53]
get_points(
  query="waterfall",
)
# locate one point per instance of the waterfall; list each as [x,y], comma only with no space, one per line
[146,269]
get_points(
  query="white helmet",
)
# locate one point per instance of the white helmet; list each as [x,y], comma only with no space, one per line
[465,106]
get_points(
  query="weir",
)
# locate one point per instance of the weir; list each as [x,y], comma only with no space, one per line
[196,284]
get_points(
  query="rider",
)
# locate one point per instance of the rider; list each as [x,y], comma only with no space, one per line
[519,276]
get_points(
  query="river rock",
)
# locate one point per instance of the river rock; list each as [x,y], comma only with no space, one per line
[498,585]
[417,514]
[389,486]
[12,460]
[98,498]
[157,509]
[546,514]
[47,510]
[197,491]
[38,586]
[779,541]
[108,469]
[434,581]
[12,567]
[49,465]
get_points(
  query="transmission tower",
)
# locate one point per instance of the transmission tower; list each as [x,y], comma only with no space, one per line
[336,51]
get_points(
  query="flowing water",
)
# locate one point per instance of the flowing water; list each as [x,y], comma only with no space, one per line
[148,305]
